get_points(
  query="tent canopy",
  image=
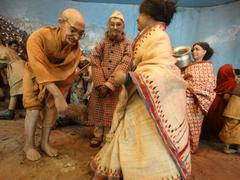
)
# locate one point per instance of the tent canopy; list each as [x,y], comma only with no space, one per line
[181,3]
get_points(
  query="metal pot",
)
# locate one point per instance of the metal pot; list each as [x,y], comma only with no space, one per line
[183,55]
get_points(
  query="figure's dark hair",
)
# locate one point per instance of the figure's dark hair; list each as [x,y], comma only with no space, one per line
[237,71]
[207,48]
[159,10]
[12,42]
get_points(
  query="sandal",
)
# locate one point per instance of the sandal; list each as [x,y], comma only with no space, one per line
[95,142]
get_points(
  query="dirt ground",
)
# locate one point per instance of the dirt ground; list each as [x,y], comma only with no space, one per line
[72,164]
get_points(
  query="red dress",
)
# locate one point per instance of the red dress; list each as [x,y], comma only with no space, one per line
[214,120]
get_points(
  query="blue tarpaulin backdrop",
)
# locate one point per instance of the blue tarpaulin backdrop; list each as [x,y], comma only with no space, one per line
[219,25]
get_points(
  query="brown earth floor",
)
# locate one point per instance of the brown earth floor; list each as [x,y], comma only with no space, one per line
[72,164]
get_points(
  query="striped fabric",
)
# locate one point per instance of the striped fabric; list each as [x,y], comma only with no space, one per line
[173,132]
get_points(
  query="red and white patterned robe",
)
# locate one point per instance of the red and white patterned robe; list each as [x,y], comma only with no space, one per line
[200,95]
[107,58]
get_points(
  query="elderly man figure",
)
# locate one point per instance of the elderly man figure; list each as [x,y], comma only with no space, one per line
[54,55]
[113,53]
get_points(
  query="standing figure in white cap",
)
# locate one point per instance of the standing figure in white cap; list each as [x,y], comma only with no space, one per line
[112,54]
[54,55]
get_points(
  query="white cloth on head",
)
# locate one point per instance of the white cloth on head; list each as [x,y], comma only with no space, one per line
[117,14]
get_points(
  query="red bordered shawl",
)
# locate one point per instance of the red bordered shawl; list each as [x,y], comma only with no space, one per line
[160,85]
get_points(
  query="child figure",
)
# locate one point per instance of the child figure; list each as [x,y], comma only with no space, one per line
[81,89]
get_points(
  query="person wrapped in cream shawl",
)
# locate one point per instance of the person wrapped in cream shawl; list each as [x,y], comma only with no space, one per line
[149,135]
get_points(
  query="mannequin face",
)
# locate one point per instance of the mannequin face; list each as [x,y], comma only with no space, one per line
[142,21]
[198,53]
[72,32]
[86,75]
[237,77]
[14,47]
[115,28]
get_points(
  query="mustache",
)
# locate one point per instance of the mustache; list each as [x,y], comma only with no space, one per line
[115,30]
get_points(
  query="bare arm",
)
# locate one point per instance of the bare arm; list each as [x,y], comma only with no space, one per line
[60,102]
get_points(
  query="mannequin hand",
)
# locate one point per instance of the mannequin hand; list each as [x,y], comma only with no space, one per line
[119,77]
[61,105]
[103,91]
[226,97]
[59,100]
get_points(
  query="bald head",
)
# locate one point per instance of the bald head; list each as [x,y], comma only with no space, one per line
[72,26]
[73,17]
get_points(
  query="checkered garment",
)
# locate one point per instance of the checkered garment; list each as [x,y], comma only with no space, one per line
[106,58]
[200,95]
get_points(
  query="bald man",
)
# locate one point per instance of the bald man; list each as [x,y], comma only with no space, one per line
[54,55]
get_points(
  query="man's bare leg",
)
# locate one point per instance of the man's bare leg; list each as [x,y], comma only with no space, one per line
[8,114]
[51,115]
[12,103]
[30,128]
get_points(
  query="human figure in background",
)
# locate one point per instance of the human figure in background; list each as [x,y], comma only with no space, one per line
[223,118]
[9,32]
[2,66]
[237,72]
[80,93]
[14,71]
[200,92]
[54,54]
[149,134]
[112,53]
[214,121]
[78,96]
[82,88]
[230,133]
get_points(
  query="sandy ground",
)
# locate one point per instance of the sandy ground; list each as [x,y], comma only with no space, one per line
[72,163]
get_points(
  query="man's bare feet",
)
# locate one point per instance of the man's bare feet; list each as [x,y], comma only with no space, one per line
[32,154]
[50,151]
